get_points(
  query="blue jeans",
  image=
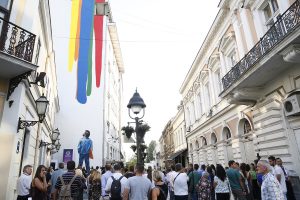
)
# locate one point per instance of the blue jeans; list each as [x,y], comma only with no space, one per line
[86,159]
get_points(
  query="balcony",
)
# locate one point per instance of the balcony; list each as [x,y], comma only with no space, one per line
[16,50]
[274,52]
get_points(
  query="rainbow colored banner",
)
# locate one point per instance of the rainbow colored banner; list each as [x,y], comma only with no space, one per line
[85,29]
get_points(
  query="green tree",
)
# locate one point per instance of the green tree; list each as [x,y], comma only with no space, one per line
[132,161]
[150,150]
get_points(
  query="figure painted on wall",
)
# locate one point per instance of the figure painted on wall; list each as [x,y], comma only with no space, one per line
[85,150]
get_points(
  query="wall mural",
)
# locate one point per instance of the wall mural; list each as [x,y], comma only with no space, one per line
[85,29]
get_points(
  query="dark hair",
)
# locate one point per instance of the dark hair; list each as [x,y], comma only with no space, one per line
[139,168]
[107,167]
[231,162]
[38,171]
[271,158]
[243,169]
[178,167]
[97,167]
[248,168]
[213,167]
[149,173]
[220,172]
[61,165]
[87,133]
[173,167]
[117,167]
[131,168]
[196,166]
[203,167]
[209,170]
[71,165]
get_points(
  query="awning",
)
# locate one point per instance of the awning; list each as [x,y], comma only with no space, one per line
[171,157]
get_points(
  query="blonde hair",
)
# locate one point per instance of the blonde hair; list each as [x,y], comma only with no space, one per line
[96,176]
[156,176]
[78,172]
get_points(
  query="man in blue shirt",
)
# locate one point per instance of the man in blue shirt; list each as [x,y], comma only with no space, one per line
[84,147]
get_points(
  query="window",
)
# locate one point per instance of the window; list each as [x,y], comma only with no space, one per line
[4,3]
[271,11]
[38,48]
[200,105]
[5,8]
[192,112]
[218,82]
[207,95]
[247,127]
[232,59]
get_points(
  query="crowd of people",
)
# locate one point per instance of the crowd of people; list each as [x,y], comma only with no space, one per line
[266,180]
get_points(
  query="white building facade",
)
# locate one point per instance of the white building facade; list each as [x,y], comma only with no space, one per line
[101,114]
[26,55]
[237,95]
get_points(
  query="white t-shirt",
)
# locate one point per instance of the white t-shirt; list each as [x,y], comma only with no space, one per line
[279,171]
[23,184]
[170,177]
[222,186]
[124,182]
[180,184]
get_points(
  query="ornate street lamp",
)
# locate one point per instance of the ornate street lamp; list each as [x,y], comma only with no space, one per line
[136,105]
[41,108]
[55,144]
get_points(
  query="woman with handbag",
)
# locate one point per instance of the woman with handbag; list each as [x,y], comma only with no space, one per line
[221,184]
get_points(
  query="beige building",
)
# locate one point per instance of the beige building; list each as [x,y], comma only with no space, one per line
[26,55]
[240,95]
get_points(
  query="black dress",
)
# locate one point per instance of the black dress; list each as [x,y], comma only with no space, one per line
[36,194]
[163,191]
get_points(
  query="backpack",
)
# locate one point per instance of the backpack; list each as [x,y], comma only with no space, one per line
[65,190]
[115,189]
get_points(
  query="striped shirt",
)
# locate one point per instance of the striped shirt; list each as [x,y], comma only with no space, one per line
[76,185]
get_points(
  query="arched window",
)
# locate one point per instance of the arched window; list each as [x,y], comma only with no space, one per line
[197,144]
[247,127]
[214,139]
[226,133]
[204,143]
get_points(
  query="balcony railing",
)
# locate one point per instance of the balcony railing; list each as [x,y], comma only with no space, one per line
[284,25]
[16,41]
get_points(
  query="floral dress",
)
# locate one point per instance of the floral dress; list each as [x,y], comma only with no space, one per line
[204,189]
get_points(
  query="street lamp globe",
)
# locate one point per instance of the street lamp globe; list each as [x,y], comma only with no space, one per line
[136,103]
[41,107]
[55,134]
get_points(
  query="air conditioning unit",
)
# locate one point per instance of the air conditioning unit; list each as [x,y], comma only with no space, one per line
[292,105]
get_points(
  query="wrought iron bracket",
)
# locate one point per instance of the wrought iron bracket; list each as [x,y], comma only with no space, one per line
[42,143]
[14,82]
[23,124]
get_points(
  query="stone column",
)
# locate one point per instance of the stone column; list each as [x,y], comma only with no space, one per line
[238,150]
[222,153]
[202,156]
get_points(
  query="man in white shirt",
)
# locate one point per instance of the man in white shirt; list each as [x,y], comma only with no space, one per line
[170,178]
[104,179]
[180,183]
[24,182]
[272,162]
[279,174]
[124,182]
